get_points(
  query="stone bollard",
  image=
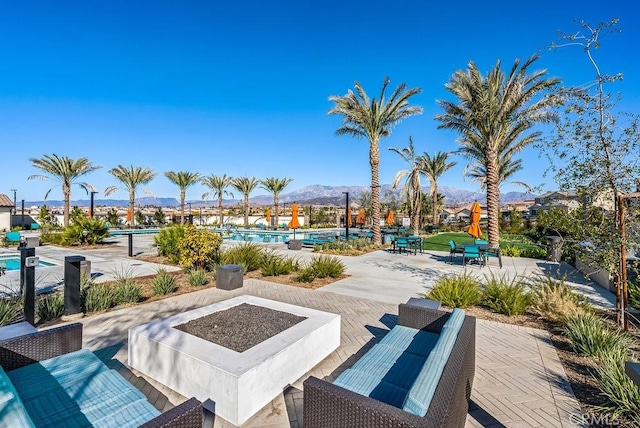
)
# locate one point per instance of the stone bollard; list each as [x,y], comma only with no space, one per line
[229,277]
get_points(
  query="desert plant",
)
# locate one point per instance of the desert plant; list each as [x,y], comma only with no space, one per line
[127,291]
[623,395]
[506,295]
[10,307]
[50,306]
[166,241]
[456,291]
[246,254]
[275,264]
[305,275]
[98,297]
[589,335]
[326,266]
[197,277]
[553,299]
[85,231]
[163,283]
[199,248]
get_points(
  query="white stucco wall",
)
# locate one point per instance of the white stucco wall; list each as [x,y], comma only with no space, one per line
[5,218]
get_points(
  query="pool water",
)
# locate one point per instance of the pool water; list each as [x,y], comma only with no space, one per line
[13,263]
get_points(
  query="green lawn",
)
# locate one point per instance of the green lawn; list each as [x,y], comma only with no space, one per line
[440,242]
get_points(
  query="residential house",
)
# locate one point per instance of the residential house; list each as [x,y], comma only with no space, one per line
[6,206]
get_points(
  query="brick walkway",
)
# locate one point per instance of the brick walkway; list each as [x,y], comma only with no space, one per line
[519,380]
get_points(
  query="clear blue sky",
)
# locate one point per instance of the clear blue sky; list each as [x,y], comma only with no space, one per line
[242,87]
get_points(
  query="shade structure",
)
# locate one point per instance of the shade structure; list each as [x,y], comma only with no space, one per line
[268,216]
[474,229]
[349,223]
[389,219]
[361,218]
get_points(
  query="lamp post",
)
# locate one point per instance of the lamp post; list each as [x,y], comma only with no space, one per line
[346,220]
[91,205]
[190,215]
[15,208]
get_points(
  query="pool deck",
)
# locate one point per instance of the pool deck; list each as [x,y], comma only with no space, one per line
[519,380]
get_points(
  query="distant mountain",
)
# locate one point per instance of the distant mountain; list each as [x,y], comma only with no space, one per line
[310,195]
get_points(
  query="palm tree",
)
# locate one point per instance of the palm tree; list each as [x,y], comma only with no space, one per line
[434,167]
[66,171]
[506,168]
[131,178]
[493,116]
[275,186]
[218,185]
[246,185]
[412,183]
[182,179]
[373,119]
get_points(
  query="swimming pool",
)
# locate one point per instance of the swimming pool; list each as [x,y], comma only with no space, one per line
[120,232]
[13,263]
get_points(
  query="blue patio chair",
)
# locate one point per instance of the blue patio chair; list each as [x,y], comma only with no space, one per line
[12,238]
[472,252]
[453,250]
[35,226]
[481,242]
[493,252]
[402,243]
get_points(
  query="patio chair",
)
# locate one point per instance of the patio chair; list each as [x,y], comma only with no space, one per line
[11,238]
[493,252]
[481,242]
[472,252]
[402,243]
[453,250]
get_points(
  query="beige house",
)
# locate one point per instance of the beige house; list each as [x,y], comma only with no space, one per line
[6,206]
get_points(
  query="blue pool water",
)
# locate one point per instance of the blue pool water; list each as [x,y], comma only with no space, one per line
[13,263]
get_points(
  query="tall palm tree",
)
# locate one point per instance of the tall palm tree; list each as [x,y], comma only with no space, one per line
[373,119]
[494,116]
[184,180]
[506,168]
[246,185]
[434,167]
[218,185]
[275,186]
[66,171]
[131,177]
[412,182]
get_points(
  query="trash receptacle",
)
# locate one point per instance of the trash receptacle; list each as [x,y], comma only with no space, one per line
[229,277]
[554,248]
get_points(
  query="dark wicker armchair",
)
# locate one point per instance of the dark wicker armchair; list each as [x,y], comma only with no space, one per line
[330,406]
[31,348]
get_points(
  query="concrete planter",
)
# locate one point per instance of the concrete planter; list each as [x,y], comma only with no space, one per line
[295,244]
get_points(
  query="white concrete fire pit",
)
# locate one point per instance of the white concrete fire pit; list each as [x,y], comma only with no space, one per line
[240,383]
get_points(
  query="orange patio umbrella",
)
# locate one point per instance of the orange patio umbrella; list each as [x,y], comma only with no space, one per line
[268,216]
[349,223]
[294,223]
[361,218]
[389,219]
[129,215]
[474,229]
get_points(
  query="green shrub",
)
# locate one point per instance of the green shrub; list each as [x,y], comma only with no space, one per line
[246,254]
[85,231]
[456,291]
[199,248]
[553,300]
[326,266]
[197,277]
[127,291]
[510,251]
[305,275]
[10,307]
[506,296]
[534,253]
[633,290]
[274,264]
[166,241]
[50,306]
[589,335]
[163,283]
[623,395]
[98,297]
[54,238]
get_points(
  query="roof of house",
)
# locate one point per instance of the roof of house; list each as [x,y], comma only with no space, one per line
[5,201]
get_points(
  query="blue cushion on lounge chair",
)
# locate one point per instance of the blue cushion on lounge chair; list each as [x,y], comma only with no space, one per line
[417,342]
[370,386]
[391,365]
[12,410]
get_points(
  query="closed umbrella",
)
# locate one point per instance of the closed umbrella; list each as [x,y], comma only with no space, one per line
[268,216]
[294,223]
[474,229]
[349,223]
[389,219]
[361,218]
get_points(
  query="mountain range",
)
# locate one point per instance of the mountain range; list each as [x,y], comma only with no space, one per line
[310,195]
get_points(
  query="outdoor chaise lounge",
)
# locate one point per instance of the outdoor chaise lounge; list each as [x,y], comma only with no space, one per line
[419,375]
[46,379]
